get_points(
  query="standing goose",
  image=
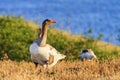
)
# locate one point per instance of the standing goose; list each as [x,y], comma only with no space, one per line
[87,54]
[41,52]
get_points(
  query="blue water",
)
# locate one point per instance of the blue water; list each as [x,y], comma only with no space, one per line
[102,16]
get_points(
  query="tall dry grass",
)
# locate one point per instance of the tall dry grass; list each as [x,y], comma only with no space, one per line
[64,70]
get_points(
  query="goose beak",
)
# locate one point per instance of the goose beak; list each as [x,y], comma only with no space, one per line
[53,21]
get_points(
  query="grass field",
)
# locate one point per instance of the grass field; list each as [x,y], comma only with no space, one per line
[63,70]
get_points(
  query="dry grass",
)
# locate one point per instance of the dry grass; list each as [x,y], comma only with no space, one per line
[64,70]
[33,25]
[107,46]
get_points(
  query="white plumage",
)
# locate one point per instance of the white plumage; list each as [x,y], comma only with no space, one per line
[87,54]
[41,52]
[41,55]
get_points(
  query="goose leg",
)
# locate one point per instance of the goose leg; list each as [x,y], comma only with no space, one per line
[36,64]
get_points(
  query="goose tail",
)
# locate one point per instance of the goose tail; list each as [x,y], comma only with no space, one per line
[60,56]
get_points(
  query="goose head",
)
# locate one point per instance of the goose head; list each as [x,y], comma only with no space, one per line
[48,22]
[45,24]
[87,50]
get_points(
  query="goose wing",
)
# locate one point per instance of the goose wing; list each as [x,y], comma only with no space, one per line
[55,53]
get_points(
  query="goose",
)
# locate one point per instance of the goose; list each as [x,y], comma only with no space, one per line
[41,52]
[87,54]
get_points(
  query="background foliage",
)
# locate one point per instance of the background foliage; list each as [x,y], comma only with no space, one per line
[16,35]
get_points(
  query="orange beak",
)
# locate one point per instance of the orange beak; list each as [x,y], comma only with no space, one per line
[53,21]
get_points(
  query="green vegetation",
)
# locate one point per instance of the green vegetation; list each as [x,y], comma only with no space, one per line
[16,35]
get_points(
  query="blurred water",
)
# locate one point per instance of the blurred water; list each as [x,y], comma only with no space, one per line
[102,16]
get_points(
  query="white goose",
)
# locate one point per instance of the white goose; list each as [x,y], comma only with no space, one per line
[41,52]
[87,54]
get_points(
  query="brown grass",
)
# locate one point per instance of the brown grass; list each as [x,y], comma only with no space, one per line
[64,70]
[33,25]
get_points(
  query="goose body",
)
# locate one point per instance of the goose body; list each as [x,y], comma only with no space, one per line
[41,55]
[41,52]
[87,54]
